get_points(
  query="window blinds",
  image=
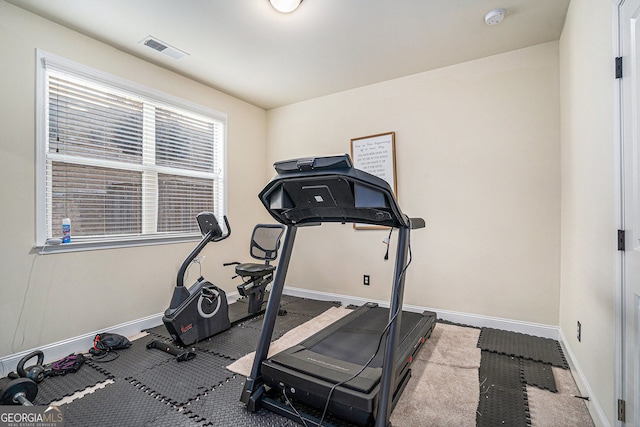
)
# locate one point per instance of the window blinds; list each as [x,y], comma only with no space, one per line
[120,164]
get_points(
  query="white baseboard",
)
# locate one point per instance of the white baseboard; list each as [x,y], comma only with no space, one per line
[82,343]
[536,329]
[595,409]
[79,344]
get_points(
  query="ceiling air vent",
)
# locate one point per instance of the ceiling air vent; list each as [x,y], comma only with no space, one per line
[163,47]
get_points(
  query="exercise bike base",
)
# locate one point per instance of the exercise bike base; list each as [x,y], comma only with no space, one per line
[188,325]
[199,316]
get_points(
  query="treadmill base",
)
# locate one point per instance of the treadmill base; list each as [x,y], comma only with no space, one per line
[308,376]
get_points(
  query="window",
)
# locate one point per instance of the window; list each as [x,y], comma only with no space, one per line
[126,164]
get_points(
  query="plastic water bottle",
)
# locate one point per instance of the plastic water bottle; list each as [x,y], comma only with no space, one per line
[66,230]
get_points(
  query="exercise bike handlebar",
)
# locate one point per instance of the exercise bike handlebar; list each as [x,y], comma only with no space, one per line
[209,237]
[223,236]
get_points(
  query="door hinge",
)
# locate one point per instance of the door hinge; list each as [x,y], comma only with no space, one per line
[619,67]
[621,410]
[621,240]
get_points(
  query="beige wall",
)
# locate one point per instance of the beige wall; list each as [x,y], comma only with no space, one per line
[477,148]
[45,299]
[588,266]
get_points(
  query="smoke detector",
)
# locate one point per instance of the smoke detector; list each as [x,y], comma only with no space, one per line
[494,16]
[163,47]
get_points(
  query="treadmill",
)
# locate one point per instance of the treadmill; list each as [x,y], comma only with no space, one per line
[362,361]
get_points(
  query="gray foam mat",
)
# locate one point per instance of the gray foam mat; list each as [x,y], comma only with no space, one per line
[539,375]
[55,388]
[283,324]
[503,395]
[58,387]
[221,406]
[289,321]
[501,406]
[174,419]
[539,349]
[309,307]
[117,404]
[159,331]
[130,361]
[500,369]
[180,382]
[233,343]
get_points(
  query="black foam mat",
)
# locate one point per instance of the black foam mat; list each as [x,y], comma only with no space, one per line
[503,395]
[117,404]
[538,349]
[233,343]
[539,375]
[129,361]
[180,382]
[309,307]
[221,406]
[501,370]
[55,388]
[159,331]
[284,323]
[174,419]
[58,387]
[286,299]
[501,406]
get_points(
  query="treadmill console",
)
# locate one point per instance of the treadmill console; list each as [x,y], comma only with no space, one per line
[310,191]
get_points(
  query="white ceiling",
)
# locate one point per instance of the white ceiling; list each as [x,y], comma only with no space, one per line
[248,50]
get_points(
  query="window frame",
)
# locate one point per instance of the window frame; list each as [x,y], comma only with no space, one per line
[46,60]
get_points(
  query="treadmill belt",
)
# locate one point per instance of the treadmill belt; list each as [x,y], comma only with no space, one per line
[357,341]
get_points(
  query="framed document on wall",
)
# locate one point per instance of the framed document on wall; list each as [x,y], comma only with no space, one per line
[376,154]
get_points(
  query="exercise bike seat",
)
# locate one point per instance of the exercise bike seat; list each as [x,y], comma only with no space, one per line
[250,269]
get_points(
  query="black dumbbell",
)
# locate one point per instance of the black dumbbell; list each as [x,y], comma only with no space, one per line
[19,392]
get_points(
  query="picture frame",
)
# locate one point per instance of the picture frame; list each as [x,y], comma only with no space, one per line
[376,154]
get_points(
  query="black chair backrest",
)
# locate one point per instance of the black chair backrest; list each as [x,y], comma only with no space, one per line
[265,241]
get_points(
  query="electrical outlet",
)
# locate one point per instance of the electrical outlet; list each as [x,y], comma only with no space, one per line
[579,332]
[366,280]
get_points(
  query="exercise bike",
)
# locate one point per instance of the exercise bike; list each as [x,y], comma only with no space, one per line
[201,311]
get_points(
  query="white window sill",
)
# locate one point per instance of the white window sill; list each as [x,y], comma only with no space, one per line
[81,246]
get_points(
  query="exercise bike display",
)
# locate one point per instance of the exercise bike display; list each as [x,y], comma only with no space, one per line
[201,311]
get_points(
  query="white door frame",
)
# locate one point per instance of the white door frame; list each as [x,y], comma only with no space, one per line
[619,194]
[622,336]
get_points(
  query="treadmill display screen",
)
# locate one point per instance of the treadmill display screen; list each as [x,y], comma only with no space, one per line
[317,190]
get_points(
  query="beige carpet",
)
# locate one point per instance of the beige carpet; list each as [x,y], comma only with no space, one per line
[444,389]
[561,408]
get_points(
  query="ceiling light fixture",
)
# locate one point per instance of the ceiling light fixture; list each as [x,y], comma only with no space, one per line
[494,16]
[285,6]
